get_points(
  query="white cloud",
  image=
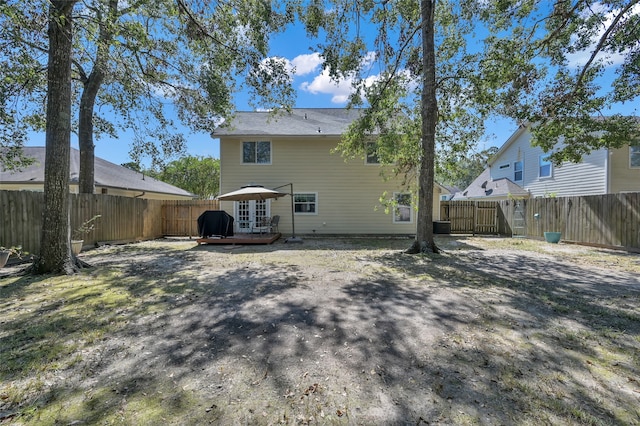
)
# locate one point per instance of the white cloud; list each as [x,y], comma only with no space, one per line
[306,64]
[323,84]
[299,66]
[368,59]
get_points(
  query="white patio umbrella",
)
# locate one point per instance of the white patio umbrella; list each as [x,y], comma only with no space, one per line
[259,192]
[251,192]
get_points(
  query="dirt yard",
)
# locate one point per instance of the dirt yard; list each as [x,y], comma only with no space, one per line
[347,331]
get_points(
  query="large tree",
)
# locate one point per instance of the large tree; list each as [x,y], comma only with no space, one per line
[140,66]
[135,57]
[131,59]
[55,253]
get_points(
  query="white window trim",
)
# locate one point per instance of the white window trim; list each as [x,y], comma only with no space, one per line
[540,165]
[631,166]
[521,171]
[308,213]
[256,163]
[366,156]
[411,213]
[252,209]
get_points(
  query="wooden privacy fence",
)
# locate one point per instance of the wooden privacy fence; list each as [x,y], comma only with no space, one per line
[470,217]
[608,220]
[611,220]
[122,219]
[180,217]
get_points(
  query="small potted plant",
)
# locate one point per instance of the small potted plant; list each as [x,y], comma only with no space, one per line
[79,233]
[6,252]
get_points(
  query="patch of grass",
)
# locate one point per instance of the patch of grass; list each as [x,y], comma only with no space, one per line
[16,392]
[50,320]
[165,405]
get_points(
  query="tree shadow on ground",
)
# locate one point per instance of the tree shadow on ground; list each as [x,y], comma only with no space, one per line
[447,339]
[571,321]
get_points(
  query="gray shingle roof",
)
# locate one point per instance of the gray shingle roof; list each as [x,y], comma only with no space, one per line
[300,122]
[484,187]
[106,174]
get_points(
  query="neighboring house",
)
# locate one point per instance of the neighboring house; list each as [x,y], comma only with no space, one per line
[450,191]
[332,195]
[485,188]
[110,179]
[517,164]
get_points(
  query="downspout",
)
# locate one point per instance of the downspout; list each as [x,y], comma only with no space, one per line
[607,175]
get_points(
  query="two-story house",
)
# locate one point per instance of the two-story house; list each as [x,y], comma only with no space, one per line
[521,170]
[331,194]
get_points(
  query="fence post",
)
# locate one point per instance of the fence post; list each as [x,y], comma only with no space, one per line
[475,217]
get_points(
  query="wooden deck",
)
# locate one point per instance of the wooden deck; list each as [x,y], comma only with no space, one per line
[241,239]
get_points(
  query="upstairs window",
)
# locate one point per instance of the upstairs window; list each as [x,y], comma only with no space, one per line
[517,171]
[545,166]
[402,212]
[256,152]
[372,156]
[634,156]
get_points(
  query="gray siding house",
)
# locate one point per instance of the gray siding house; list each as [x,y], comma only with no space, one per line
[517,164]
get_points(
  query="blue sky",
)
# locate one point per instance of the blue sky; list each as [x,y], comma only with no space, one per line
[314,90]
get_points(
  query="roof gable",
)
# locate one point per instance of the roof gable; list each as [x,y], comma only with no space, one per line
[484,186]
[514,137]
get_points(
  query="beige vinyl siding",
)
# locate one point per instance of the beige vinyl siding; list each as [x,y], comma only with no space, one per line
[36,187]
[622,177]
[348,191]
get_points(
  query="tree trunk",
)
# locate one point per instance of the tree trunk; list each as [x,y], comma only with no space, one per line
[86,178]
[55,251]
[91,87]
[424,242]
